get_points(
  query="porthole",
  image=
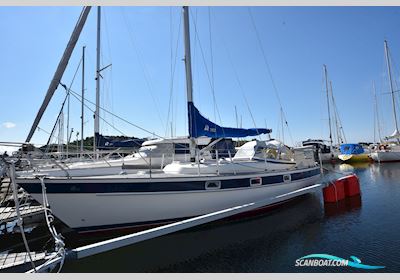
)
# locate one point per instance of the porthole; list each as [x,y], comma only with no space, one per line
[287,178]
[256,181]
[213,185]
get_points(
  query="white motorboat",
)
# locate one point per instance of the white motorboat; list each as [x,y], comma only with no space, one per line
[327,153]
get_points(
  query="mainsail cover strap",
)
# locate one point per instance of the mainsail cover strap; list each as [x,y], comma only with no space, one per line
[200,126]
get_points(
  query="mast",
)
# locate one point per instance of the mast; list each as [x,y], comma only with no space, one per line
[236,116]
[67,126]
[376,118]
[329,110]
[188,68]
[336,115]
[83,96]
[60,69]
[283,130]
[96,113]
[391,86]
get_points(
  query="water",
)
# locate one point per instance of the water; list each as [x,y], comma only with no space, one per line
[367,227]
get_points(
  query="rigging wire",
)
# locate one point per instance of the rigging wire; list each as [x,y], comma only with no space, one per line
[62,107]
[383,83]
[269,71]
[212,84]
[207,72]
[142,65]
[77,96]
[110,84]
[238,81]
[395,86]
[211,57]
[173,68]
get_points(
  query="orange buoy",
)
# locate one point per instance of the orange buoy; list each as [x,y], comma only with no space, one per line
[351,185]
[334,191]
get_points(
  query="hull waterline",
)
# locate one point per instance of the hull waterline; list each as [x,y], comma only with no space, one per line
[355,158]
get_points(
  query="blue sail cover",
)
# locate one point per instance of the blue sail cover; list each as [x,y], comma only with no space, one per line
[351,149]
[200,126]
[109,142]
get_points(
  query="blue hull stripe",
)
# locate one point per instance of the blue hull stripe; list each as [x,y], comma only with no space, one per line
[122,187]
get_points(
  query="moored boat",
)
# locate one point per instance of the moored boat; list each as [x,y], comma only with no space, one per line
[322,150]
[353,153]
[260,170]
[389,151]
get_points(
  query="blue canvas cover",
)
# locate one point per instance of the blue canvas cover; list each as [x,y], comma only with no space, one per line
[200,126]
[108,142]
[351,149]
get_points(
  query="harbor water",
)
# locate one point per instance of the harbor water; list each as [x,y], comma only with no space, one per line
[366,227]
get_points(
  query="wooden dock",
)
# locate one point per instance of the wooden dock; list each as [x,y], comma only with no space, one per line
[5,189]
[9,214]
[22,260]
[6,193]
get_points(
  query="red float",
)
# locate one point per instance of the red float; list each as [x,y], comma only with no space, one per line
[334,191]
[351,185]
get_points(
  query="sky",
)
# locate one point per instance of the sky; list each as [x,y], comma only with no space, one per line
[146,82]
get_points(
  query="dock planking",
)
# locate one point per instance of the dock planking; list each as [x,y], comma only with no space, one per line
[9,260]
[8,214]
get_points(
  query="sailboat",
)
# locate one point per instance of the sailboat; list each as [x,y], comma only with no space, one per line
[259,170]
[390,149]
[326,152]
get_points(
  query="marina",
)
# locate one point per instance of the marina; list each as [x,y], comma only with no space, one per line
[220,198]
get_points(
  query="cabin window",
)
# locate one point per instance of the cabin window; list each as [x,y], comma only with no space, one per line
[213,185]
[256,181]
[181,148]
[287,178]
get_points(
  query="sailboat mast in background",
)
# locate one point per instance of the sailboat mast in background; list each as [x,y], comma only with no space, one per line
[391,88]
[96,113]
[329,109]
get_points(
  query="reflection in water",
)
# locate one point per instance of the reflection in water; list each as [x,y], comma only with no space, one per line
[350,167]
[342,206]
[386,171]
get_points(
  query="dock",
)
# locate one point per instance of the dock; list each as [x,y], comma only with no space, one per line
[6,193]
[14,260]
[9,214]
[5,188]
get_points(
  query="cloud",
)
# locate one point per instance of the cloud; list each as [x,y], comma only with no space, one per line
[9,125]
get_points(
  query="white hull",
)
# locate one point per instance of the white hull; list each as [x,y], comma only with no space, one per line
[386,156]
[91,211]
[329,156]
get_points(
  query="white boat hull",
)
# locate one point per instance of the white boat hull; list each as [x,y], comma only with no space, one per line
[96,211]
[386,156]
